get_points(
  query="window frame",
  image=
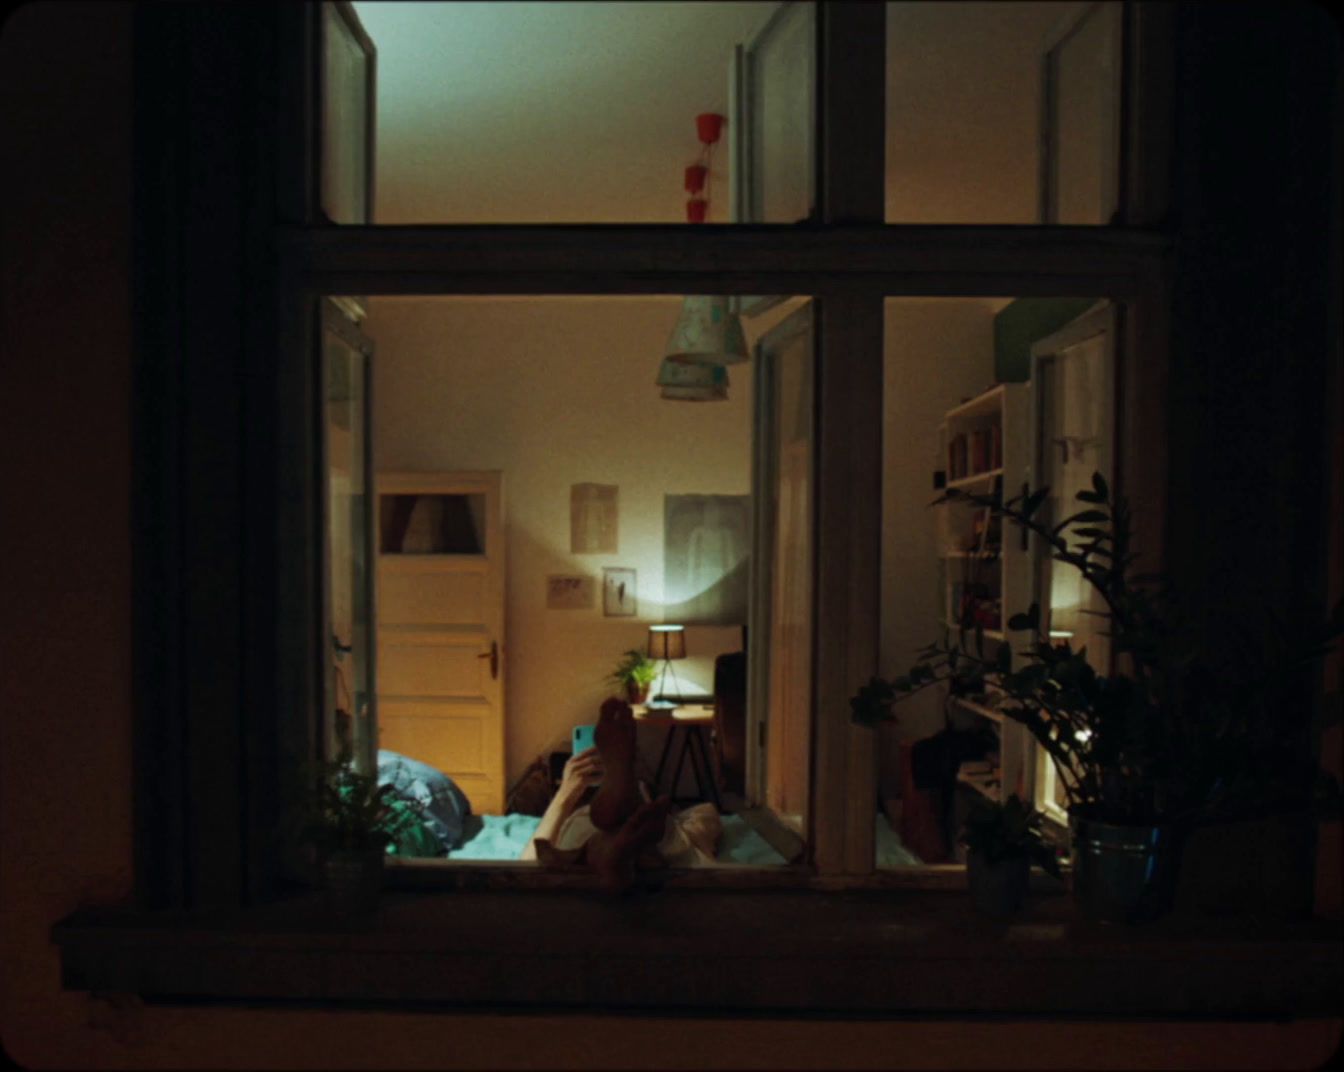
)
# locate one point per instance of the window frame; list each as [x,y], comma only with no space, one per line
[848,261]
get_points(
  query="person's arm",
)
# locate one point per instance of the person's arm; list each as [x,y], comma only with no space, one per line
[580,772]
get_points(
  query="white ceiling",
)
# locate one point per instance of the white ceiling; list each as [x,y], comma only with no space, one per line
[562,112]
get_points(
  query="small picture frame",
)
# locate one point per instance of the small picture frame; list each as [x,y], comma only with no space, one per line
[567,591]
[619,596]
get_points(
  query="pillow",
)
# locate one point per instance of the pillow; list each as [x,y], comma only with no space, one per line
[440,804]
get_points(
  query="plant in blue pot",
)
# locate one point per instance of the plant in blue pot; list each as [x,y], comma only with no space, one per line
[1187,731]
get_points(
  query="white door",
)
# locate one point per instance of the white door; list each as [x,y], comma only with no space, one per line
[779,661]
[440,616]
[1073,402]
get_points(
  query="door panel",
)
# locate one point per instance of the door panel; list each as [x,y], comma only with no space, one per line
[416,593]
[780,661]
[441,641]
[1073,400]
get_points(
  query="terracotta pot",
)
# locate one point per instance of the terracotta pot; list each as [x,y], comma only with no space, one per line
[636,693]
[998,888]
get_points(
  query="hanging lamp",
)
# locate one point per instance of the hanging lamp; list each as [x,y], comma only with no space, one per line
[707,332]
[692,383]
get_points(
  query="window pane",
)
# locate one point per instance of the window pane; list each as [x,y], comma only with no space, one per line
[966,111]
[620,509]
[958,413]
[431,524]
[345,126]
[350,696]
[575,112]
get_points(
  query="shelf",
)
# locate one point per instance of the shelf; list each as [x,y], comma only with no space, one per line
[990,634]
[988,402]
[980,784]
[975,478]
[980,709]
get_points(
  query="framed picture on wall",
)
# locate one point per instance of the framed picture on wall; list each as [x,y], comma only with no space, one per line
[618,593]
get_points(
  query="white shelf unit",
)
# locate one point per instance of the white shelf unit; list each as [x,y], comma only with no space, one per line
[987,562]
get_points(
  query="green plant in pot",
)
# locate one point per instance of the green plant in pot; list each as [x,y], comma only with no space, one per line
[1002,842]
[350,821]
[634,674]
[1188,728]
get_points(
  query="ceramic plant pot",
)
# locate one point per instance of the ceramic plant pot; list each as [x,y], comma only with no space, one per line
[354,880]
[636,694]
[1123,873]
[998,888]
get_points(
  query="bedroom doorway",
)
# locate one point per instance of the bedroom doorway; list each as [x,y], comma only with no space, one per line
[440,626]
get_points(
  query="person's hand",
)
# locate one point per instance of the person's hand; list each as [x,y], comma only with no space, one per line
[581,771]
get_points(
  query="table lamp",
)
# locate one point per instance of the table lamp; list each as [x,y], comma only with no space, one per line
[667,642]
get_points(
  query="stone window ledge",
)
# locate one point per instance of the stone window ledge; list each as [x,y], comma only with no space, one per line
[712,951]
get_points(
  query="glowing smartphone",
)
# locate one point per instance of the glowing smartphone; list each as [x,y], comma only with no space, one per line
[583,738]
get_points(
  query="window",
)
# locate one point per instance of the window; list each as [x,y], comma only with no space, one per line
[847,259]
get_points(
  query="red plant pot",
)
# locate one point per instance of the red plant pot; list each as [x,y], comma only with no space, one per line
[695,178]
[709,126]
[695,210]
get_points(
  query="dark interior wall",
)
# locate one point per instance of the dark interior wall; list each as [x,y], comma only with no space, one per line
[65,677]
[1023,322]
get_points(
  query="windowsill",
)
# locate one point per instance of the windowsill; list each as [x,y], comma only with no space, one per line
[872,952]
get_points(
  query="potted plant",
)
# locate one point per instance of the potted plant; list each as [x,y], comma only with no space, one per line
[634,674]
[1187,729]
[349,820]
[1002,842]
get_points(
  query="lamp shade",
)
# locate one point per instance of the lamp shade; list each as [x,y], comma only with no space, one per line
[667,642]
[707,333]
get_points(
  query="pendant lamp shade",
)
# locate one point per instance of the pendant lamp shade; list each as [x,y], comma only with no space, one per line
[707,333]
[692,383]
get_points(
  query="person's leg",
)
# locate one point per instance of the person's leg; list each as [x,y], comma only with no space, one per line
[618,796]
[613,855]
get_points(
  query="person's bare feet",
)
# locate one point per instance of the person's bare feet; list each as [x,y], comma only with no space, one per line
[613,855]
[618,796]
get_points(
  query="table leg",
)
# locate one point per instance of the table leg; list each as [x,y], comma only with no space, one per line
[681,758]
[705,765]
[662,761]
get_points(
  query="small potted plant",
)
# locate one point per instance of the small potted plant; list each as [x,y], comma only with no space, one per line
[350,820]
[1002,842]
[634,674]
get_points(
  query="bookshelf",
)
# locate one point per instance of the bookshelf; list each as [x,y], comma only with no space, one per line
[984,571]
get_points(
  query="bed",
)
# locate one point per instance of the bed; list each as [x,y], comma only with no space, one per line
[503,837]
[448,829]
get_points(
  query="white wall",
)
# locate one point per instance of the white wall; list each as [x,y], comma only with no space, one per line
[938,352]
[962,109]
[557,391]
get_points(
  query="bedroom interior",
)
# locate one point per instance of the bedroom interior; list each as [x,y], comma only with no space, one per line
[551,394]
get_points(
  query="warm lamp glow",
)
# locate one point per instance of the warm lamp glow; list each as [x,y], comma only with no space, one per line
[667,642]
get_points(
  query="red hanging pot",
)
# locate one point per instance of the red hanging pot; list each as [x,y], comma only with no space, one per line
[695,178]
[708,126]
[695,210]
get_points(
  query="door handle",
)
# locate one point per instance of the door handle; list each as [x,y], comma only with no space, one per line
[493,656]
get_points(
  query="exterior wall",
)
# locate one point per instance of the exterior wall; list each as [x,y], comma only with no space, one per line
[65,708]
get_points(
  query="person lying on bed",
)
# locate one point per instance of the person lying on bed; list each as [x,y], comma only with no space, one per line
[621,826]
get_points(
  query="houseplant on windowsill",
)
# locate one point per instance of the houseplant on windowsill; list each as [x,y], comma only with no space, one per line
[1186,731]
[1002,842]
[350,820]
[634,674]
